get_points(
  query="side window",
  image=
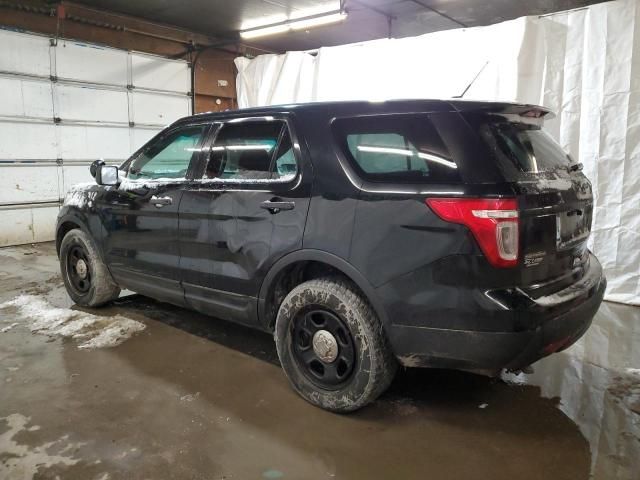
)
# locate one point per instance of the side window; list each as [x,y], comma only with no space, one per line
[385,152]
[391,148]
[252,151]
[170,156]
[285,165]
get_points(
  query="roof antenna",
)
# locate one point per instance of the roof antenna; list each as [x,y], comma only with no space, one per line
[472,81]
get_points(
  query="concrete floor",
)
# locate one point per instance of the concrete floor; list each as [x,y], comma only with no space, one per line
[195,397]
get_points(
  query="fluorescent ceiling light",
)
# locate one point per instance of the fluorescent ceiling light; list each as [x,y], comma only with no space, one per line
[298,20]
[317,21]
[392,151]
[249,147]
[265,31]
[261,22]
[407,153]
[242,147]
[441,161]
[313,11]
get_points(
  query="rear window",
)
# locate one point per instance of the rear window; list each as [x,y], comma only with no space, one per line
[525,146]
[396,148]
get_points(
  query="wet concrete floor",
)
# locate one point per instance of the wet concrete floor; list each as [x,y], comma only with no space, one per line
[192,397]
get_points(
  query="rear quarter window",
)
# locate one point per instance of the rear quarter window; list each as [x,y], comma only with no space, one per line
[396,148]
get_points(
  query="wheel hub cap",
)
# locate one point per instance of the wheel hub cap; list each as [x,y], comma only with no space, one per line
[325,346]
[81,269]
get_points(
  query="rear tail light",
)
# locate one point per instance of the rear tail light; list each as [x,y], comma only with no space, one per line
[493,222]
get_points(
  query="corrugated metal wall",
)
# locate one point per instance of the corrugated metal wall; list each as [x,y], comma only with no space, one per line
[64,104]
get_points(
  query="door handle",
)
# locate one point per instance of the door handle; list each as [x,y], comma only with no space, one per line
[275,206]
[160,202]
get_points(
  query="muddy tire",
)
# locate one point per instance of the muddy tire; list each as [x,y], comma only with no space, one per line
[86,278]
[332,346]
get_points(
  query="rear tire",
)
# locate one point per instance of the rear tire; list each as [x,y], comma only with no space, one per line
[86,277]
[332,346]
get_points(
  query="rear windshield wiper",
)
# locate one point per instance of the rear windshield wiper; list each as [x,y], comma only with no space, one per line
[576,167]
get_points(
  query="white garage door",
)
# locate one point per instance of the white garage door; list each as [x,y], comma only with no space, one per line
[64,105]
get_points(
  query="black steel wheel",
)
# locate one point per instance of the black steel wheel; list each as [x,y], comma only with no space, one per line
[332,346]
[323,347]
[86,277]
[78,269]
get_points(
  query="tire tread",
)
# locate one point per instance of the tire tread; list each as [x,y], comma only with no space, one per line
[382,355]
[103,288]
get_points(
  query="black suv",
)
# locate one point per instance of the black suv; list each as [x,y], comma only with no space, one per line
[364,235]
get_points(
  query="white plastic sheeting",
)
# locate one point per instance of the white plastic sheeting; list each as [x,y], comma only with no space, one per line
[593,83]
[584,65]
[436,65]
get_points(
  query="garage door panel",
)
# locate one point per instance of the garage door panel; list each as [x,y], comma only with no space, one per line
[28,225]
[25,98]
[24,53]
[27,141]
[26,183]
[93,142]
[91,63]
[140,136]
[44,223]
[75,173]
[160,73]
[21,230]
[91,104]
[159,109]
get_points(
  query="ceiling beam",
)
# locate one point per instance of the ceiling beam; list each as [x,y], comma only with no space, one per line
[368,7]
[430,8]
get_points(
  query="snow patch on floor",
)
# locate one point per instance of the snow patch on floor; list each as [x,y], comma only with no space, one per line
[9,327]
[514,378]
[92,331]
[25,461]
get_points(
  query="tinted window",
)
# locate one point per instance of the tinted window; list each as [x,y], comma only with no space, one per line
[527,147]
[285,165]
[252,151]
[405,148]
[169,157]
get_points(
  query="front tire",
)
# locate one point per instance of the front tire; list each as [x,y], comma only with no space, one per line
[332,346]
[86,277]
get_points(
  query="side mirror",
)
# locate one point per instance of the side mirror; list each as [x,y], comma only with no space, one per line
[107,175]
[93,169]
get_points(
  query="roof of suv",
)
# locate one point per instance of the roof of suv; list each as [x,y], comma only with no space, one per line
[352,107]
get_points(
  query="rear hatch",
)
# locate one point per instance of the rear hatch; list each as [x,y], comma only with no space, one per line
[555,199]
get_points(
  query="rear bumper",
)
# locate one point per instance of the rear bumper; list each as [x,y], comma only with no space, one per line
[557,321]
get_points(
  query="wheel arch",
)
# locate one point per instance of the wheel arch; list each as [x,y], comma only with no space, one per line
[266,315]
[65,224]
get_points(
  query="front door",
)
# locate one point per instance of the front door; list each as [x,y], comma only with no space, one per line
[141,215]
[246,211]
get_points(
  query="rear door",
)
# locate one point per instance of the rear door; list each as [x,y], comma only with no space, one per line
[141,215]
[246,210]
[555,199]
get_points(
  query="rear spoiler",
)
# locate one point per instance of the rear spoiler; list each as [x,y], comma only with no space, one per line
[526,111]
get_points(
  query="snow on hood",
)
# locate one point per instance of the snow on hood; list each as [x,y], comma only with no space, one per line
[79,196]
[91,331]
